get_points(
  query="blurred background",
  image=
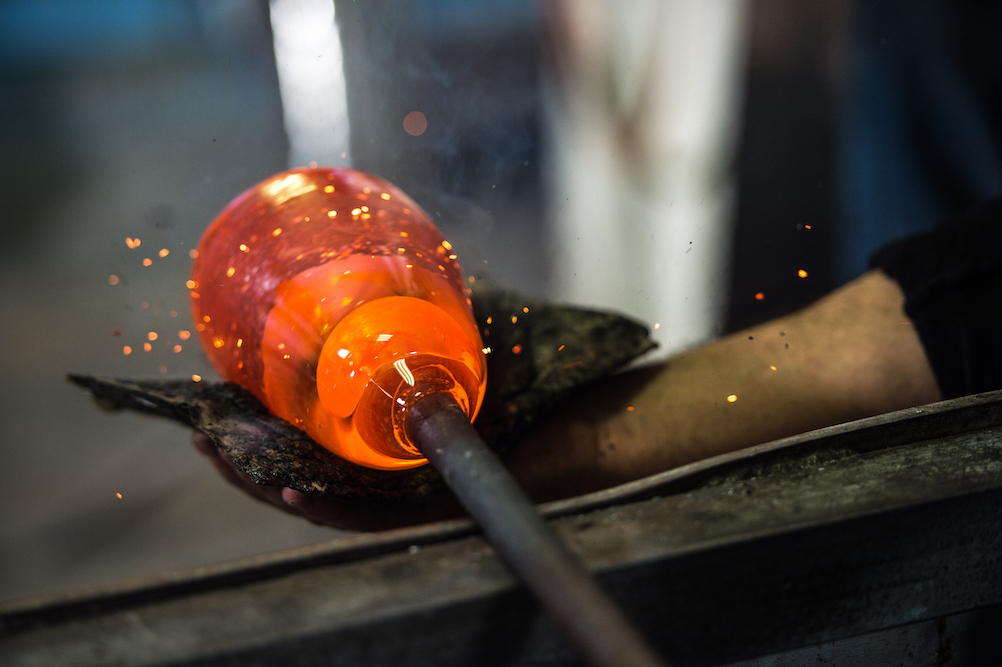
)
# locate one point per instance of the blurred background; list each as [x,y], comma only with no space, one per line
[699,165]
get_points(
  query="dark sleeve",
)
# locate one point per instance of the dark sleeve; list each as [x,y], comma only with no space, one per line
[952,280]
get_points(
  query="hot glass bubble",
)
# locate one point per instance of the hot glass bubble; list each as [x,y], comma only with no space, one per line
[330,295]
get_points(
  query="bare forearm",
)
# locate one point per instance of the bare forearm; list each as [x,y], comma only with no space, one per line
[851,355]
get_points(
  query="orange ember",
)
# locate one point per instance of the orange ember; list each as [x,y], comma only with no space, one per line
[338,325]
[415,123]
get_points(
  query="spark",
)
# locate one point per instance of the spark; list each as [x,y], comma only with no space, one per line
[184,335]
[772,368]
[489,319]
[759,296]
[514,319]
[415,123]
[147,262]
[404,234]
[127,350]
[517,349]
[243,247]
[732,398]
[132,243]
[152,335]
[331,214]
[328,189]
[191,284]
[277,231]
[112,280]
[177,348]
[147,347]
[446,245]
[802,273]
[657,325]
[119,495]
[193,253]
[560,349]
[164,252]
[385,196]
[196,377]
[525,309]
[240,342]
[356,211]
[230,271]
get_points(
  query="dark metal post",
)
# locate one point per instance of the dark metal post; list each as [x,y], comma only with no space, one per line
[594,626]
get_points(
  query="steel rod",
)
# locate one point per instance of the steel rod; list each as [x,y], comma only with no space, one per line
[592,623]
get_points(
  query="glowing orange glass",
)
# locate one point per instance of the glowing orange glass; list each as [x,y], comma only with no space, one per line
[345,317]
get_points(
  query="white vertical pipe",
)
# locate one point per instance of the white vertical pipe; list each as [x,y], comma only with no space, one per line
[311,81]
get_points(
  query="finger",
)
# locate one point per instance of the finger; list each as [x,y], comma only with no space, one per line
[229,471]
[203,444]
[316,510]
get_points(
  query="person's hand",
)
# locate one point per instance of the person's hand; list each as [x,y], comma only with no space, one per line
[326,511]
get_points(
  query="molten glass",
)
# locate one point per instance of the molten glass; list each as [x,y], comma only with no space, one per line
[329,294]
